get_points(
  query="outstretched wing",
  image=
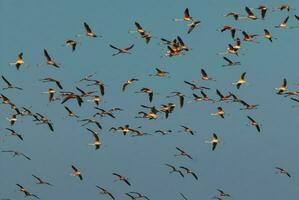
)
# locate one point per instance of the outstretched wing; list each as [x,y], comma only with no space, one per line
[47,55]
[203,73]
[297,100]
[251,119]
[249,12]
[130,47]
[186,13]
[87,28]
[6,81]
[113,47]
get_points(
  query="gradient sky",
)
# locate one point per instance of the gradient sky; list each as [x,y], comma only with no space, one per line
[243,163]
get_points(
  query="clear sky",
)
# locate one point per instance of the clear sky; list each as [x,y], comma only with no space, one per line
[244,161]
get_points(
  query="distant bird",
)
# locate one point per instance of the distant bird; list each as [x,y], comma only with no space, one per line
[247,106]
[160,73]
[230,62]
[175,47]
[231,29]
[167,109]
[221,193]
[241,81]
[51,92]
[97,143]
[16,153]
[105,191]
[72,44]
[50,61]
[214,141]
[248,37]
[173,51]
[268,35]
[109,113]
[263,10]
[43,120]
[250,14]
[76,173]
[128,82]
[188,130]
[122,178]
[98,83]
[71,95]
[235,15]
[139,133]
[26,192]
[186,16]
[144,34]
[254,123]
[283,24]
[204,76]
[122,50]
[40,181]
[14,133]
[150,115]
[49,79]
[87,77]
[219,112]
[70,112]
[139,195]
[88,31]
[183,153]
[174,169]
[91,121]
[297,17]
[163,132]
[231,50]
[283,171]
[124,129]
[192,25]
[5,100]
[13,119]
[96,99]
[284,6]
[196,87]
[147,91]
[9,85]
[189,171]
[19,61]
[180,95]
[204,97]
[283,87]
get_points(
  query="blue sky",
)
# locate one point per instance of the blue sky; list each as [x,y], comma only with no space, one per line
[243,163]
